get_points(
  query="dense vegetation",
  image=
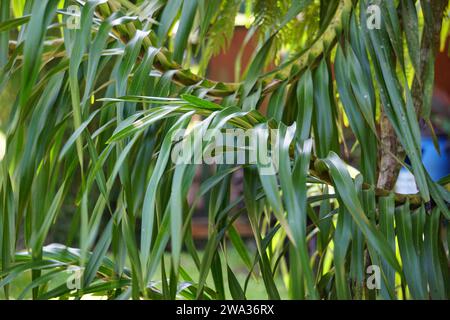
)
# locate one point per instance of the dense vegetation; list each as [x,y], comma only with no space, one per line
[89,114]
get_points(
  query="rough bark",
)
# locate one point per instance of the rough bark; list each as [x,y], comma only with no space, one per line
[390,148]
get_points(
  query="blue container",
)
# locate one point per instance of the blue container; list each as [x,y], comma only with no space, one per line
[438,166]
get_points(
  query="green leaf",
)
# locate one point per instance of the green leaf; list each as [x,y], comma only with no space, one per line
[325,132]
[408,252]
[342,237]
[167,18]
[411,27]
[344,187]
[186,21]
[235,288]
[42,14]
[387,227]
[305,105]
